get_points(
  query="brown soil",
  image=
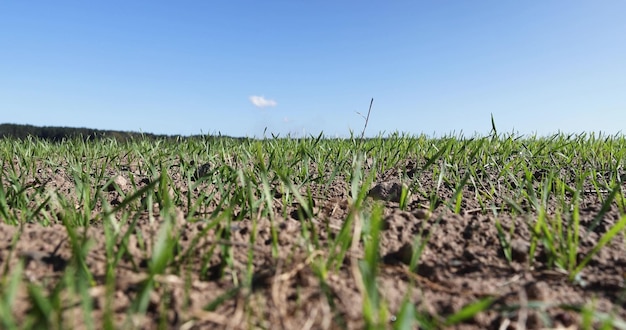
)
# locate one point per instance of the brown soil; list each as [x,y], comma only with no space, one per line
[462,263]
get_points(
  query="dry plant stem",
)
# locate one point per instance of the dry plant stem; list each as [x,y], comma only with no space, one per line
[278,288]
[239,313]
[354,265]
[522,315]
[439,287]
[309,323]
[367,119]
[204,317]
[505,324]
[286,276]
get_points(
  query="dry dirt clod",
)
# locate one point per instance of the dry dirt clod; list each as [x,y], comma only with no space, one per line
[387,191]
[519,250]
[118,181]
[534,321]
[405,253]
[201,171]
[422,214]
[538,290]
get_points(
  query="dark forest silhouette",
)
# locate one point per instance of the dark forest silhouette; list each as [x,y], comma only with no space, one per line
[58,134]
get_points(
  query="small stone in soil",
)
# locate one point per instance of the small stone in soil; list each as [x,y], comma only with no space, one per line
[387,190]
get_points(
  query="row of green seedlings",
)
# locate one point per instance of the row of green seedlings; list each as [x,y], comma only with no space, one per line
[45,306]
[163,245]
[304,202]
[559,236]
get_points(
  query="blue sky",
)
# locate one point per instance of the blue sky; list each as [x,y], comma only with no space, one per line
[433,67]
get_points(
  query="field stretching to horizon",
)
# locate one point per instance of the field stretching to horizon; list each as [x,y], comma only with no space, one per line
[396,232]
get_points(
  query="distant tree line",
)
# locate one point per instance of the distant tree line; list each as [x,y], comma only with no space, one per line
[57,134]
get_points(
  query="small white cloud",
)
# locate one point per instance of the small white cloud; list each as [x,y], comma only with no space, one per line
[262,102]
[286,120]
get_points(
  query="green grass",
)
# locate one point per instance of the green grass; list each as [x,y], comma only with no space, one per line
[540,179]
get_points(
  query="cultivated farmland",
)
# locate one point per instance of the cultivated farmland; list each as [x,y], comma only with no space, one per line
[489,232]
